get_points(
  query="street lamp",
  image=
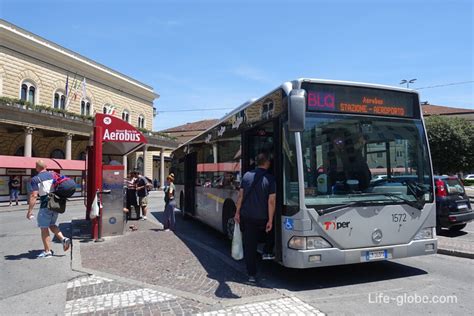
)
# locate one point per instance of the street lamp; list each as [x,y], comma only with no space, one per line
[407,82]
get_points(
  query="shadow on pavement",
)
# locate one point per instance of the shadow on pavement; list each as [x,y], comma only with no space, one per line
[31,254]
[231,282]
[273,275]
[335,276]
[451,234]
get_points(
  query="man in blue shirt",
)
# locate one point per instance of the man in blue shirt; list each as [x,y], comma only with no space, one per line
[255,212]
[41,186]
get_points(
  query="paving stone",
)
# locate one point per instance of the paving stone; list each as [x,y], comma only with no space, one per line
[161,258]
[283,306]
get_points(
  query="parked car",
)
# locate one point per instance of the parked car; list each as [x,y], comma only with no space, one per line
[469,177]
[453,208]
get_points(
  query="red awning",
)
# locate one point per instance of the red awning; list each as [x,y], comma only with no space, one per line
[14,162]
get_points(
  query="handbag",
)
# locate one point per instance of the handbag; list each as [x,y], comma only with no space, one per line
[56,204]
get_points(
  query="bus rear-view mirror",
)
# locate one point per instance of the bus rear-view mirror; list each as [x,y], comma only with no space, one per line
[296,110]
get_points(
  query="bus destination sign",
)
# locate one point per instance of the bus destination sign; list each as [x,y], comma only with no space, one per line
[359,100]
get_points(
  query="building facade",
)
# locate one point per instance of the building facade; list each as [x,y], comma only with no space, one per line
[49,95]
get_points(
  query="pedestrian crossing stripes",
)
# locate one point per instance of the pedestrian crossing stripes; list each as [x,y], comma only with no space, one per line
[85,281]
[110,301]
[282,306]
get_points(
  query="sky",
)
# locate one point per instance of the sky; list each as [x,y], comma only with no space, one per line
[206,55]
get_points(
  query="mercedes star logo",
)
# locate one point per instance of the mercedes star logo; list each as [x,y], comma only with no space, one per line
[377,236]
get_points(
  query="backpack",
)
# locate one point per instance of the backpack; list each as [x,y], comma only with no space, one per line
[63,187]
[148,184]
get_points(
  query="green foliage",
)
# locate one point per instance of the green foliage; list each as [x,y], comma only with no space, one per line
[43,108]
[468,182]
[451,142]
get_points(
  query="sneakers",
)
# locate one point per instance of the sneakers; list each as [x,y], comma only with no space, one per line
[45,254]
[143,218]
[268,256]
[66,243]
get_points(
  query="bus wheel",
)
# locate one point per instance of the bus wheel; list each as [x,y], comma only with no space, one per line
[181,206]
[228,222]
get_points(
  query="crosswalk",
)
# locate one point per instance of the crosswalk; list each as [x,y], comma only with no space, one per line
[87,298]
[95,295]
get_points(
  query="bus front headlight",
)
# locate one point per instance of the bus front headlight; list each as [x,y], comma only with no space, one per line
[317,243]
[425,233]
[298,243]
[308,243]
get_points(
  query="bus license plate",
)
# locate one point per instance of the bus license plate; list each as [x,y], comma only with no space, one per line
[375,255]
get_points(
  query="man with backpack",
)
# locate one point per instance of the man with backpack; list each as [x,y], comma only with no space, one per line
[41,186]
[143,186]
[255,212]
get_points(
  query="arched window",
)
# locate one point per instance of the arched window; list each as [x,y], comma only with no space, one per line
[20,151]
[125,116]
[59,100]
[104,109]
[28,92]
[81,156]
[141,121]
[57,154]
[85,107]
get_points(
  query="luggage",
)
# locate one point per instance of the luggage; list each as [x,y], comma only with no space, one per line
[63,187]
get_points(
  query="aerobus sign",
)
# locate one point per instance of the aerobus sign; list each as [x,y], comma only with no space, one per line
[360,100]
[117,130]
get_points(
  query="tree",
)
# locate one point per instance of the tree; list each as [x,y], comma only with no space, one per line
[451,141]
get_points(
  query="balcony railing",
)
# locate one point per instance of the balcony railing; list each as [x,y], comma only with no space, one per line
[25,105]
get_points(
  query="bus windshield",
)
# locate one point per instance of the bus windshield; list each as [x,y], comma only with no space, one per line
[353,158]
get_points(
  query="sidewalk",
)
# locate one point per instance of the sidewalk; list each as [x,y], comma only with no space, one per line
[459,244]
[153,271]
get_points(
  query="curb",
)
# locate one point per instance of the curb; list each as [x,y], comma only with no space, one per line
[24,207]
[456,253]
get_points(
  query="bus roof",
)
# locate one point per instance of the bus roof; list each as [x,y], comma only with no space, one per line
[296,84]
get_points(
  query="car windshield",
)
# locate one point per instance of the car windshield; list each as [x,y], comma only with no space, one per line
[350,158]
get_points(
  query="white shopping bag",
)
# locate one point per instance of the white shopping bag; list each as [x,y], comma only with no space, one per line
[94,208]
[237,246]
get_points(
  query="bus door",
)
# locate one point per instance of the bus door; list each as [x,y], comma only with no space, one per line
[190,170]
[256,140]
[266,138]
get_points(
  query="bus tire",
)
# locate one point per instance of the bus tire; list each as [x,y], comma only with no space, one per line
[184,216]
[228,223]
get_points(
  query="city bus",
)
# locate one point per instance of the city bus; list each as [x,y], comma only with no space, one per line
[352,167]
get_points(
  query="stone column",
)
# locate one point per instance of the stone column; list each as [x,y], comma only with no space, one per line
[68,149]
[162,167]
[214,152]
[28,141]
[125,165]
[145,150]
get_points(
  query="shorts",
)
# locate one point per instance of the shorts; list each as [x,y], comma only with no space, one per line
[46,218]
[143,201]
[14,194]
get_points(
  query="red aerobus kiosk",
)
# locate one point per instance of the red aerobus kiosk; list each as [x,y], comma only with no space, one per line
[112,138]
